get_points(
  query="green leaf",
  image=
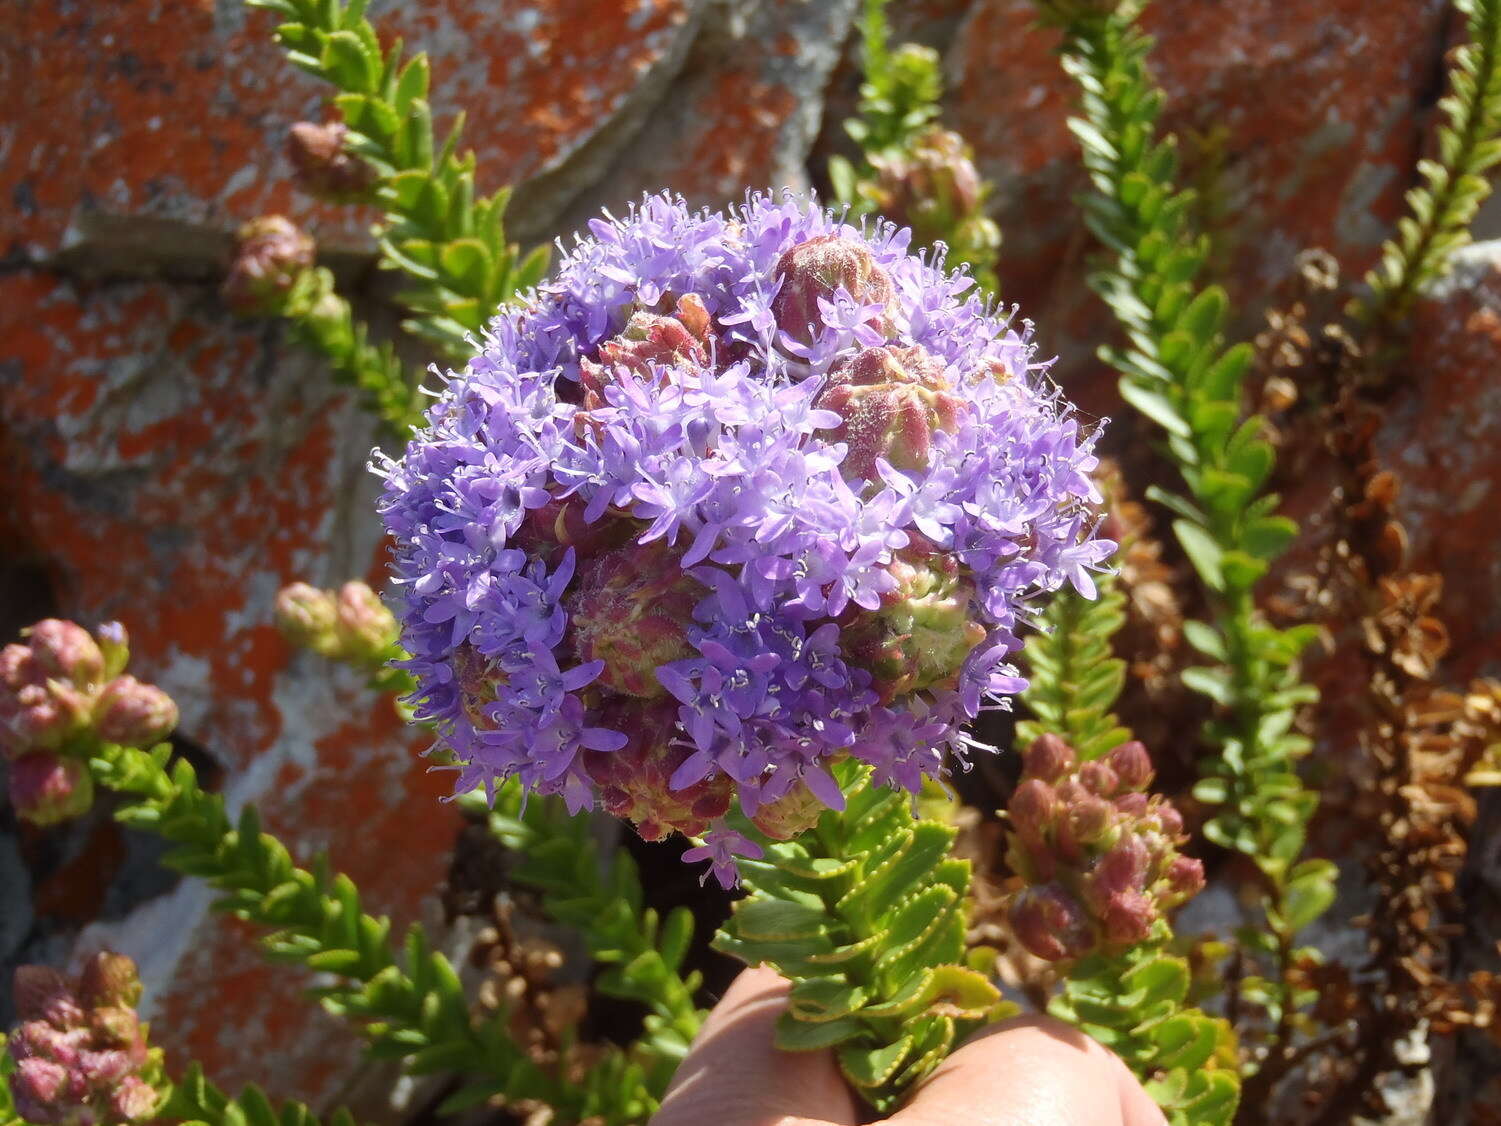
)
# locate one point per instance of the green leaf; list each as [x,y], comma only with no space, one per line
[1203,552]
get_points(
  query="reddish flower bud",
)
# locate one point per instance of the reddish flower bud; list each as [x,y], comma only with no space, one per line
[1048,758]
[42,717]
[1132,765]
[931,185]
[1099,779]
[109,979]
[924,630]
[791,815]
[325,166]
[271,253]
[46,789]
[66,651]
[1050,923]
[364,629]
[115,1027]
[818,268]
[103,1068]
[1128,917]
[892,400]
[636,781]
[1090,820]
[1132,805]
[134,714]
[1170,820]
[306,616]
[1185,879]
[133,1100]
[649,342]
[1033,809]
[632,609]
[1120,870]
[39,1087]
[41,993]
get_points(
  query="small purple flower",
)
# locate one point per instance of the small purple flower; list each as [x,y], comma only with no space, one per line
[769,413]
[720,848]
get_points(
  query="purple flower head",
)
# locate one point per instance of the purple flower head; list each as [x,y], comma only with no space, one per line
[760,483]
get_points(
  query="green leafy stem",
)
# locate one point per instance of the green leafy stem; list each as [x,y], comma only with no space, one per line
[408,1002]
[1135,1004]
[1177,371]
[865,915]
[1454,185]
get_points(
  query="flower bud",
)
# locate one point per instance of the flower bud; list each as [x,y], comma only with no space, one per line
[1033,809]
[17,668]
[1132,805]
[1090,820]
[133,1099]
[924,630]
[43,717]
[932,186]
[134,714]
[1050,923]
[109,979]
[65,651]
[635,781]
[1169,820]
[1098,778]
[892,400]
[38,1039]
[325,166]
[366,631]
[632,609]
[1132,765]
[114,644]
[1184,879]
[1128,917]
[103,1068]
[41,993]
[648,342]
[270,254]
[46,789]
[306,617]
[39,1087]
[818,268]
[115,1027]
[790,815]
[1049,758]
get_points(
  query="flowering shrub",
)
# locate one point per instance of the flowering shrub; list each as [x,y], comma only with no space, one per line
[734,527]
[731,497]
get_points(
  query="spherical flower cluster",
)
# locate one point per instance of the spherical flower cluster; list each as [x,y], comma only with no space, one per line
[60,693]
[1099,856]
[80,1050]
[732,497]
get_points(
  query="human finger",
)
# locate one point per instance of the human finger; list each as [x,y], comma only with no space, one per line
[735,1076]
[1031,1071]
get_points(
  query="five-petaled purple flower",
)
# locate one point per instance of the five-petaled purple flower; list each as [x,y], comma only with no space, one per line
[823,480]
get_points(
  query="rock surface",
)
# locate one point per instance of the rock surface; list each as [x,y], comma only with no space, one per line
[167,465]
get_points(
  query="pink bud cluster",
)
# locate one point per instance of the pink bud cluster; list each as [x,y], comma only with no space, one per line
[1099,855]
[351,625]
[933,187]
[61,693]
[80,1050]
[271,253]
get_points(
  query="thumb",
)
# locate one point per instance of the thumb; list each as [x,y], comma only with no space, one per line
[1031,1071]
[735,1076]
